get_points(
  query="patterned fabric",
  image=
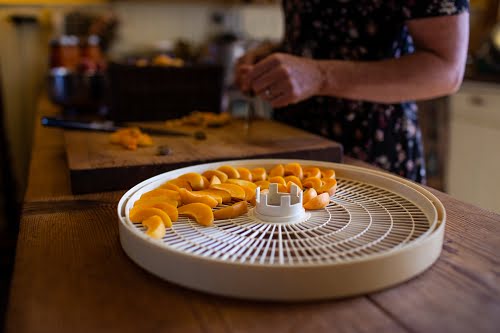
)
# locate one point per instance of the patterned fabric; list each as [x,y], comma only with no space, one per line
[387,135]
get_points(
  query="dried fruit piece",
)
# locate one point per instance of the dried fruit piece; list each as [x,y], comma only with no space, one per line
[180,183]
[200,212]
[230,171]
[232,211]
[245,174]
[162,192]
[191,197]
[258,174]
[211,194]
[225,195]
[168,208]
[278,170]
[328,173]
[329,186]
[263,184]
[277,179]
[155,227]
[210,173]
[294,169]
[312,182]
[139,214]
[194,179]
[236,191]
[206,182]
[318,202]
[295,180]
[155,200]
[312,172]
[214,180]
[308,195]
[241,182]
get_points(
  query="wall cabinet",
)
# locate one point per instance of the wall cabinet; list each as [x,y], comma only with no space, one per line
[474,150]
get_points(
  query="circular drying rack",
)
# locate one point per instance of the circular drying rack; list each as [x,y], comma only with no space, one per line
[378,230]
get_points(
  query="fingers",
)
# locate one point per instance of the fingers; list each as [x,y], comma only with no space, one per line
[241,77]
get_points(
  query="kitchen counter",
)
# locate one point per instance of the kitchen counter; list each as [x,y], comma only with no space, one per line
[71,274]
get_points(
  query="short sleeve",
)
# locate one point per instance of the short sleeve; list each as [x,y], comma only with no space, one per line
[413,9]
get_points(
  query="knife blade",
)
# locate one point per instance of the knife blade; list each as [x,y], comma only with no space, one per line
[106,126]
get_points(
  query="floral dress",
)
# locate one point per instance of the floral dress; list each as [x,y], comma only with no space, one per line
[386,135]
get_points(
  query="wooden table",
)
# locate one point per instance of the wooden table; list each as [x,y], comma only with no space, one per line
[71,275]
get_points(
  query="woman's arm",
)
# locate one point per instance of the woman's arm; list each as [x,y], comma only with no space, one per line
[435,69]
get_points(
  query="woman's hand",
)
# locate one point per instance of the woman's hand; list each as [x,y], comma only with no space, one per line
[283,79]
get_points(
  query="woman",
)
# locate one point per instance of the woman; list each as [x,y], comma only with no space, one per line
[351,71]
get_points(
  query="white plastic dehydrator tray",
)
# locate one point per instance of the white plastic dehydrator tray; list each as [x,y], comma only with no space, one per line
[378,230]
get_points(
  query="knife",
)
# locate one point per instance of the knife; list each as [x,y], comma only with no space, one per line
[107,126]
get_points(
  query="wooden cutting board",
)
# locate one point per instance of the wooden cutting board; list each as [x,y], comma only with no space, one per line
[96,165]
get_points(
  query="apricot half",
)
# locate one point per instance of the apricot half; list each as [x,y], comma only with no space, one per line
[318,202]
[232,211]
[277,179]
[225,195]
[139,214]
[200,212]
[263,184]
[155,227]
[328,173]
[295,180]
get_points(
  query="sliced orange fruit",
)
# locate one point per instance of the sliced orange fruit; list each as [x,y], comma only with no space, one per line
[224,195]
[318,202]
[180,183]
[214,180]
[194,179]
[277,179]
[170,209]
[161,192]
[312,172]
[191,197]
[155,227]
[232,211]
[328,173]
[308,195]
[212,194]
[200,212]
[245,174]
[230,171]
[294,179]
[210,173]
[236,191]
[155,200]
[259,174]
[139,214]
[264,184]
[277,170]
[294,169]
[241,182]
[312,182]
[329,186]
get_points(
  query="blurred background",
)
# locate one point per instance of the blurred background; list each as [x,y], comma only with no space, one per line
[82,54]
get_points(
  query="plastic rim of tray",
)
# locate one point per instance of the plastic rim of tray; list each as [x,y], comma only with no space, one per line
[378,231]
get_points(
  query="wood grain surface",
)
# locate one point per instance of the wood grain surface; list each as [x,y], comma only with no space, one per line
[71,275]
[97,165]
